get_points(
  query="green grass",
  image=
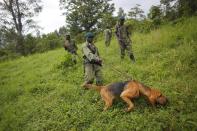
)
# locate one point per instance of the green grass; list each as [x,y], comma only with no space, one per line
[42,91]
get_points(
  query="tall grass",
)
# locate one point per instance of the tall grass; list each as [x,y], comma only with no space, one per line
[42,91]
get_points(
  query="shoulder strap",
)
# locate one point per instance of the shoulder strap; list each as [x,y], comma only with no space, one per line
[91,49]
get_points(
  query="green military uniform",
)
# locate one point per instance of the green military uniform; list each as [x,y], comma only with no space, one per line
[92,63]
[124,40]
[71,47]
[108,35]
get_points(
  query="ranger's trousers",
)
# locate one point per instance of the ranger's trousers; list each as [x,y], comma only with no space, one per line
[93,71]
[124,46]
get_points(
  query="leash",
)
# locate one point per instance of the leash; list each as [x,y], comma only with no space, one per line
[124,74]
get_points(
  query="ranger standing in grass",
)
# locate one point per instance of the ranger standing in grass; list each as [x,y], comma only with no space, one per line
[108,35]
[92,61]
[124,40]
[71,47]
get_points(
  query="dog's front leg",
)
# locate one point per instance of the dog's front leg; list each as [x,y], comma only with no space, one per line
[107,105]
[128,101]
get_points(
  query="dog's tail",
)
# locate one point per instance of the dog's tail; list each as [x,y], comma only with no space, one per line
[91,86]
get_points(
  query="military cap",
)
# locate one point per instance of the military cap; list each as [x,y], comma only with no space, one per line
[122,18]
[67,34]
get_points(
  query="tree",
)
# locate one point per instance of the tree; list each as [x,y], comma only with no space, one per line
[85,15]
[169,10]
[108,20]
[173,9]
[62,31]
[187,7]
[136,12]
[47,42]
[121,12]
[7,39]
[155,14]
[17,15]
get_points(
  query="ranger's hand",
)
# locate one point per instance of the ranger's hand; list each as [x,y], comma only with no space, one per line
[100,62]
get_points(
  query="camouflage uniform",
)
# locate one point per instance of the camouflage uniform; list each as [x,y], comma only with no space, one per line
[92,63]
[71,47]
[124,40]
[108,35]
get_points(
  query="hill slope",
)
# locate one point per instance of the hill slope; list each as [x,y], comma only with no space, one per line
[42,92]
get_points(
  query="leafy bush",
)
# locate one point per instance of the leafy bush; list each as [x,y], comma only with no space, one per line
[144,26]
[49,42]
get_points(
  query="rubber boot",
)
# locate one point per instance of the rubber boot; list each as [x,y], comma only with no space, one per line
[132,58]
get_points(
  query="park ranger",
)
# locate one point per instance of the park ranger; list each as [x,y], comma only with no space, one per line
[123,37]
[92,61]
[71,47]
[108,35]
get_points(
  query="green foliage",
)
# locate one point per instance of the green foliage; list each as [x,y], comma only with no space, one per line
[121,12]
[85,15]
[8,55]
[17,16]
[32,45]
[136,12]
[175,9]
[155,15]
[187,7]
[66,62]
[62,31]
[169,10]
[144,26]
[39,93]
[49,42]
[107,21]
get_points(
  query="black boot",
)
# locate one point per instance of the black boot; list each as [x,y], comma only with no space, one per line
[75,62]
[122,57]
[85,83]
[132,57]
[99,83]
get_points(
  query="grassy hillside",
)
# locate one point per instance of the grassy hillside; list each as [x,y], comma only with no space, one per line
[42,91]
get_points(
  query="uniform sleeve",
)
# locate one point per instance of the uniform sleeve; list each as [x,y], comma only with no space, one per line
[128,32]
[89,55]
[65,45]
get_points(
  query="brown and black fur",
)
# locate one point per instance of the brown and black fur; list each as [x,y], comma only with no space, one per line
[127,91]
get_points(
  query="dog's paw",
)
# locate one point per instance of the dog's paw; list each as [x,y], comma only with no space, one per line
[84,86]
[127,109]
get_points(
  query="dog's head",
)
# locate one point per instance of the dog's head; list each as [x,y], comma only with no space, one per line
[162,100]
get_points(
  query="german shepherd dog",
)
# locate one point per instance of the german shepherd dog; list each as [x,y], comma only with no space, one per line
[127,91]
